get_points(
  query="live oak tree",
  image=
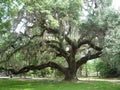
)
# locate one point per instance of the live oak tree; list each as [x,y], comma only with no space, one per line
[59,28]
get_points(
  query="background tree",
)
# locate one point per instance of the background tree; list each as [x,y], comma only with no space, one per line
[111,47]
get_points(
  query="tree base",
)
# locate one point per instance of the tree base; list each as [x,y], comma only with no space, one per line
[73,79]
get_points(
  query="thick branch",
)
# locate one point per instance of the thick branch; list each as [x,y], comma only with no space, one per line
[88,57]
[69,41]
[50,30]
[58,47]
[52,42]
[39,67]
[60,50]
[90,44]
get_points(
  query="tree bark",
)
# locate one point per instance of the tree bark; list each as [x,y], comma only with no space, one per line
[70,75]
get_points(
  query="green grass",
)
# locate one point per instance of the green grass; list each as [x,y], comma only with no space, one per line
[12,84]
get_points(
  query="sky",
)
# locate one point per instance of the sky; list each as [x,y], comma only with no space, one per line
[116,4]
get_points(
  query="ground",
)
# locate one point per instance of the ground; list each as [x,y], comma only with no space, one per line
[46,84]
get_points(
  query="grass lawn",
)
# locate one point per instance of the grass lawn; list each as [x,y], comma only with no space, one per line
[12,84]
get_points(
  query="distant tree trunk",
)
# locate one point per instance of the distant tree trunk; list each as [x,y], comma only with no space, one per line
[97,73]
[86,71]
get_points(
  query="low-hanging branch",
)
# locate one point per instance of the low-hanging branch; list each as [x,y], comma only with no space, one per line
[32,67]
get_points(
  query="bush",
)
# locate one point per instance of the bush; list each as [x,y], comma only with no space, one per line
[106,70]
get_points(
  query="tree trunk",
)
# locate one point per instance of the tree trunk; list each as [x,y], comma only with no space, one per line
[70,76]
[71,71]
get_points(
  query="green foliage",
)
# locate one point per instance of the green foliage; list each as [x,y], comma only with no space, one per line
[8,9]
[54,22]
[112,41]
[91,66]
[112,23]
[106,70]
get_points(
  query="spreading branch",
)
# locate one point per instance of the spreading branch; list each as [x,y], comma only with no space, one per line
[69,41]
[58,47]
[50,30]
[88,57]
[90,44]
[32,67]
